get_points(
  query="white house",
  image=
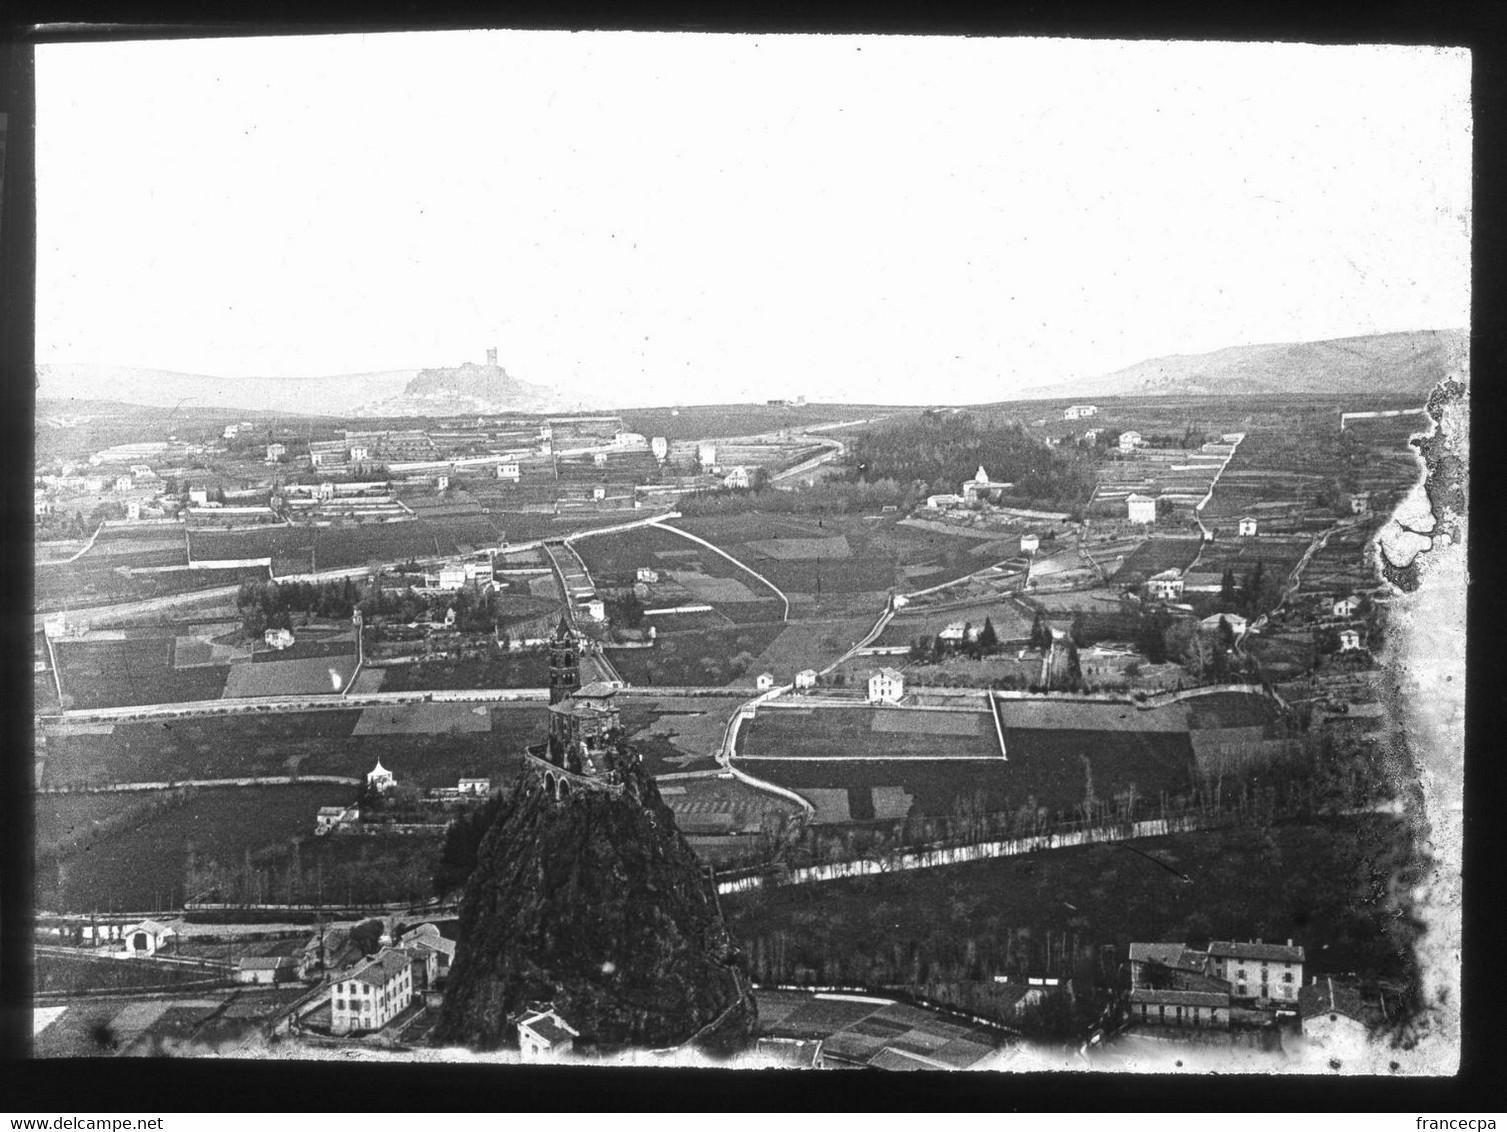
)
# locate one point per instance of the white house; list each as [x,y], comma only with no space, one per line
[146,938]
[443,949]
[660,447]
[595,609]
[276,452]
[1030,544]
[887,686]
[480,787]
[452,577]
[647,574]
[1268,972]
[1349,640]
[1345,606]
[360,452]
[133,510]
[956,632]
[123,483]
[1204,1010]
[441,483]
[805,678]
[1333,1018]
[1166,586]
[1075,412]
[599,493]
[331,818]
[509,470]
[1247,526]
[764,681]
[599,459]
[278,639]
[380,777]
[1130,440]
[706,455]
[230,431]
[737,478]
[544,1036]
[981,483]
[1140,508]
[943,501]
[373,994]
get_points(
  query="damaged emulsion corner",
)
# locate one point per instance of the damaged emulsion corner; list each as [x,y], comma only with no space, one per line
[1421,552]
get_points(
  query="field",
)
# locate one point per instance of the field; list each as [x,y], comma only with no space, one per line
[677,735]
[493,670]
[110,673]
[310,676]
[1155,555]
[693,422]
[82,585]
[143,867]
[868,733]
[346,743]
[199,1022]
[697,658]
[808,644]
[1011,623]
[1046,768]
[81,973]
[972,921]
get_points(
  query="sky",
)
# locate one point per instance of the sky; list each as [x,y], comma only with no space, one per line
[674,217]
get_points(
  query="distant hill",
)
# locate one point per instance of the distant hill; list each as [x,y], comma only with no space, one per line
[1404,363]
[465,390]
[305,396]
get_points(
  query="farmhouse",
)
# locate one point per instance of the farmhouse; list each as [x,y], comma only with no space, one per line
[1349,640]
[1152,962]
[1268,972]
[443,949]
[278,639]
[123,483]
[944,501]
[737,478]
[764,681]
[805,678]
[372,995]
[452,577]
[509,470]
[956,632]
[360,452]
[660,447]
[331,818]
[276,452]
[1345,606]
[1358,502]
[1165,586]
[706,455]
[647,574]
[1130,440]
[1076,412]
[1247,526]
[146,938]
[982,485]
[887,686]
[1030,544]
[544,1036]
[327,453]
[480,787]
[1140,508]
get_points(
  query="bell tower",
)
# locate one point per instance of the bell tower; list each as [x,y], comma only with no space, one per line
[564,663]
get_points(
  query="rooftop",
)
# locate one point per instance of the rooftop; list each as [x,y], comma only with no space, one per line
[1328,997]
[1152,995]
[549,1026]
[1256,949]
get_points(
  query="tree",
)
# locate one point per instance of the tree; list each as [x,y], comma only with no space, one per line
[1229,596]
[988,639]
[1041,632]
[1074,671]
[1250,594]
[1079,628]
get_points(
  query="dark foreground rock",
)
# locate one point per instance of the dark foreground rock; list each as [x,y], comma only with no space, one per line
[595,902]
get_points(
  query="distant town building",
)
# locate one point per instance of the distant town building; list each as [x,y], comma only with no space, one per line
[509,470]
[595,609]
[278,639]
[599,459]
[133,510]
[660,447]
[737,478]
[372,995]
[442,483]
[1267,972]
[326,453]
[452,577]
[944,501]
[1165,586]
[1140,508]
[982,485]
[1349,640]
[956,632]
[380,778]
[706,456]
[1345,606]
[41,506]
[331,818]
[1193,1009]
[480,787]
[146,938]
[544,1036]
[599,493]
[1358,502]
[805,678]
[764,681]
[266,970]
[1333,1016]
[1030,544]
[647,574]
[1076,412]
[887,686]
[123,483]
[276,452]
[360,452]
[1247,526]
[1130,440]
[1093,434]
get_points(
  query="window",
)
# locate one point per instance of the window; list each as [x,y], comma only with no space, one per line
[340,1004]
[1287,976]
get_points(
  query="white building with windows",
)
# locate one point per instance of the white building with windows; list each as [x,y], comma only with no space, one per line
[764,681]
[887,686]
[145,939]
[509,470]
[372,995]
[1130,440]
[1345,606]
[1165,586]
[1247,527]
[1030,544]
[1349,640]
[1077,412]
[544,1036]
[1267,972]
[737,478]
[805,678]
[276,452]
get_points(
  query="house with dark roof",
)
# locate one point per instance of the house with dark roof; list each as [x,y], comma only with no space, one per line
[265,970]
[1154,1006]
[373,994]
[1153,963]
[544,1036]
[1334,1017]
[1271,973]
[146,938]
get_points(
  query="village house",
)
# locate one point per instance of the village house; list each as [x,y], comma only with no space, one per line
[943,501]
[1154,962]
[1267,972]
[955,633]
[278,639]
[660,447]
[887,686]
[1345,606]
[509,470]
[133,510]
[260,970]
[805,678]
[647,574]
[1349,640]
[595,609]
[982,486]
[706,456]
[1030,544]
[544,1036]
[230,432]
[1077,412]
[442,484]
[360,452]
[599,459]
[427,938]
[372,995]
[599,493]
[145,939]
[276,452]
[1140,508]
[452,577]
[1247,527]
[1358,502]
[123,483]
[1165,586]
[331,818]
[327,453]
[1333,1017]
[764,681]
[1130,440]
[1093,434]
[479,787]
[737,478]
